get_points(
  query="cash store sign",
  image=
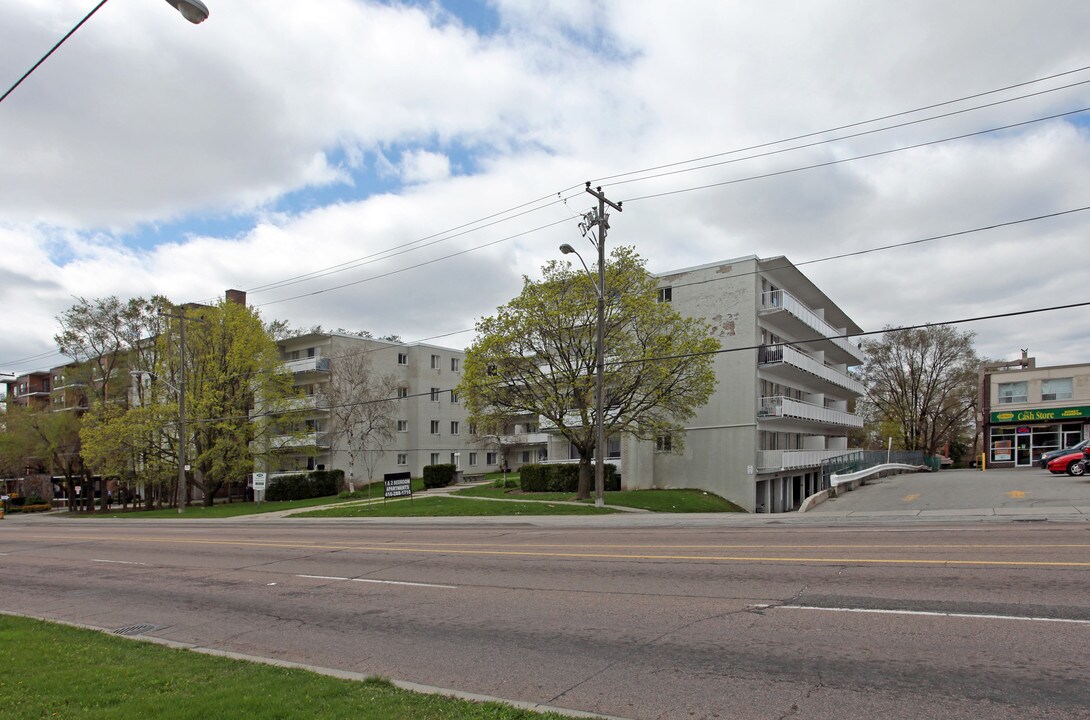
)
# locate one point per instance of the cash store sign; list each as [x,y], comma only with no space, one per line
[1049,415]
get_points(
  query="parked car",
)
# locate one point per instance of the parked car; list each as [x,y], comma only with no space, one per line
[1048,456]
[1073,463]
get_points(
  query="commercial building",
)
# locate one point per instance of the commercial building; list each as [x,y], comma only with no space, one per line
[1029,410]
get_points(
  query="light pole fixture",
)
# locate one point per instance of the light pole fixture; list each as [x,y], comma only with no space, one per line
[597,217]
[194,11]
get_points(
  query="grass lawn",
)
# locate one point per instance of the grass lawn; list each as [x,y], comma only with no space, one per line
[667,501]
[54,670]
[453,507]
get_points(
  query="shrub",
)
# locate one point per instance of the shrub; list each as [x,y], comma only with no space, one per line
[436,476]
[562,478]
[320,483]
[32,507]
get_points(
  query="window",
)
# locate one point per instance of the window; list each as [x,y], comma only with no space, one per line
[453,427]
[490,458]
[455,364]
[613,448]
[453,396]
[434,427]
[473,428]
[403,358]
[435,458]
[1013,392]
[311,352]
[666,294]
[403,426]
[664,443]
[436,362]
[435,394]
[524,456]
[472,459]
[1056,389]
[454,459]
[403,458]
[403,392]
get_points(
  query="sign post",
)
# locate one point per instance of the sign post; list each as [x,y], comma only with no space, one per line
[259,486]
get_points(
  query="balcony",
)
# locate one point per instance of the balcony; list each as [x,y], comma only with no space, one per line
[534,438]
[305,365]
[782,309]
[792,365]
[774,460]
[771,408]
[306,440]
[308,403]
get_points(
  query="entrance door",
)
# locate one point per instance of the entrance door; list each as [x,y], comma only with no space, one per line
[1022,456]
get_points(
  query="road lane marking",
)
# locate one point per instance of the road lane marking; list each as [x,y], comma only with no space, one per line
[1015,494]
[379,582]
[926,613]
[118,562]
[911,498]
[441,550]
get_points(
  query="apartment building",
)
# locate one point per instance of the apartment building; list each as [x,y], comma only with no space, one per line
[784,400]
[58,388]
[1030,410]
[430,426]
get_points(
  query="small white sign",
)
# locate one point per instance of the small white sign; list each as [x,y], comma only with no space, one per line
[259,481]
[749,469]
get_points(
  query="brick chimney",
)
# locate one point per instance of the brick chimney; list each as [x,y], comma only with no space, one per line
[237,296]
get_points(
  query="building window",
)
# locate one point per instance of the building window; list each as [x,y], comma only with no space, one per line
[524,456]
[666,294]
[613,448]
[455,364]
[434,427]
[435,394]
[1013,392]
[473,428]
[472,459]
[435,458]
[490,458]
[453,396]
[403,358]
[403,426]
[1056,389]
[454,459]
[436,362]
[403,458]
[403,392]
[453,427]
[664,443]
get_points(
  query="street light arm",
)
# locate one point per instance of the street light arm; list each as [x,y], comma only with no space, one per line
[569,250]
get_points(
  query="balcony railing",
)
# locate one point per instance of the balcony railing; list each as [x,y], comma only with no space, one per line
[782,407]
[314,439]
[314,364]
[772,460]
[783,301]
[785,354]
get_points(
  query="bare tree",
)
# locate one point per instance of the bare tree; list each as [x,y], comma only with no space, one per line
[362,411]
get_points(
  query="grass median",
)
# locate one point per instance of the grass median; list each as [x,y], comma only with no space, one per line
[453,507]
[662,501]
[52,670]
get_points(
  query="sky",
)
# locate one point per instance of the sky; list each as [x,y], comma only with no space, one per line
[398,167]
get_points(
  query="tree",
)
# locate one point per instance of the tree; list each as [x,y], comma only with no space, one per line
[40,441]
[923,383]
[362,411]
[537,356]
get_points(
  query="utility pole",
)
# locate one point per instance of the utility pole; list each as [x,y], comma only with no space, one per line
[182,440]
[602,221]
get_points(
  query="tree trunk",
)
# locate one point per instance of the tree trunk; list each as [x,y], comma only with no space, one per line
[585,472]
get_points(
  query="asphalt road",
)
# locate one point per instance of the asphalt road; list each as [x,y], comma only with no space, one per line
[910,621]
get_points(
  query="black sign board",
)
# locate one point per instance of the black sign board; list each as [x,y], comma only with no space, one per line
[397,485]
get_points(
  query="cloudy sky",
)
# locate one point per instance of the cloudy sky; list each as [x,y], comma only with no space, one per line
[398,166]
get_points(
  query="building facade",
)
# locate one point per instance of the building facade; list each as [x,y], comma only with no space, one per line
[429,425]
[784,401]
[1029,410]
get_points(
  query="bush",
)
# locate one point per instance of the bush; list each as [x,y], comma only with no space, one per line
[320,483]
[32,507]
[562,478]
[436,476]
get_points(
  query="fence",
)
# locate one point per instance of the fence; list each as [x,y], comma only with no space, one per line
[863,459]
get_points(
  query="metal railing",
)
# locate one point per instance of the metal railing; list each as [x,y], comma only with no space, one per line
[777,300]
[776,354]
[857,460]
[780,406]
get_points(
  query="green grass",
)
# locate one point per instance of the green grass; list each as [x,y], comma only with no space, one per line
[219,510]
[59,671]
[452,507]
[666,501]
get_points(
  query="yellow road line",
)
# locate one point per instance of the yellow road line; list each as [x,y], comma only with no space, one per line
[603,556]
[910,498]
[1015,494]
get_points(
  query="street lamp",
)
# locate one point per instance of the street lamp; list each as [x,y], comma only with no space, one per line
[194,11]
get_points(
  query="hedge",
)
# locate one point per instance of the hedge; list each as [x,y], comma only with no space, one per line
[562,478]
[436,476]
[319,483]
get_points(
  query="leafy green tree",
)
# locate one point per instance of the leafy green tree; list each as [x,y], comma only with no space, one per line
[922,384]
[40,441]
[537,356]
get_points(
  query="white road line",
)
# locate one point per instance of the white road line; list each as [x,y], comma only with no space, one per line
[926,613]
[380,582]
[118,562]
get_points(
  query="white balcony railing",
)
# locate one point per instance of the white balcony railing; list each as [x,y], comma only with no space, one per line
[775,354]
[314,364]
[783,301]
[314,439]
[534,438]
[770,460]
[782,407]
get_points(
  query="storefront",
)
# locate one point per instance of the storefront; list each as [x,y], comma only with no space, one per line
[1019,438]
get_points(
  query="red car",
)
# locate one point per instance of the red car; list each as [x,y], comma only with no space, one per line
[1072,463]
